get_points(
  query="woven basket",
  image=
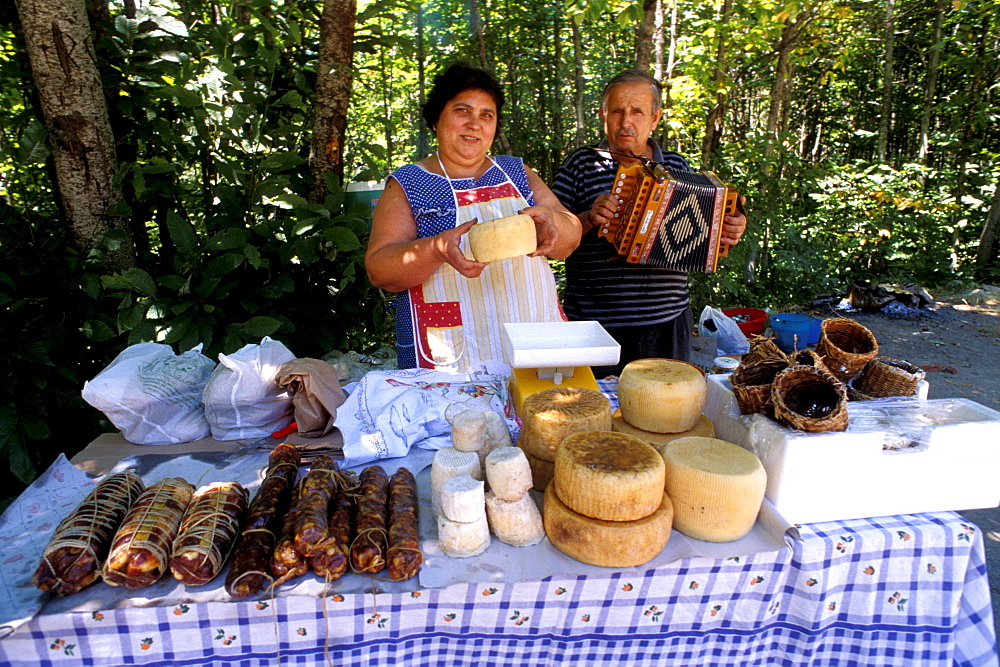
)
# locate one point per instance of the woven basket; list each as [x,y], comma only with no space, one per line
[763,348]
[882,377]
[808,357]
[845,346]
[752,385]
[809,399]
[855,394]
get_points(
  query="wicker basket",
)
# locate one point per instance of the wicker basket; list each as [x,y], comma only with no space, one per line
[845,346]
[763,348]
[752,385]
[809,399]
[855,394]
[882,377]
[808,357]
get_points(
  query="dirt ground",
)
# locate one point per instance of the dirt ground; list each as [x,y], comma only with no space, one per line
[961,333]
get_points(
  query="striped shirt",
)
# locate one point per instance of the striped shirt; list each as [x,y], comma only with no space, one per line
[600,284]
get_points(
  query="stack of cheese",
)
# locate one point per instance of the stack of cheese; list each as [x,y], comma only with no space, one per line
[661,400]
[606,504]
[550,415]
[463,530]
[512,513]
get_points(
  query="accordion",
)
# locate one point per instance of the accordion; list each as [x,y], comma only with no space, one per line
[670,219]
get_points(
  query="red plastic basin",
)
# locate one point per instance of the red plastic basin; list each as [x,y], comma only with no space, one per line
[753,321]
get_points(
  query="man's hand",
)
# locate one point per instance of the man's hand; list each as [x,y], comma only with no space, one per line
[733,226]
[602,213]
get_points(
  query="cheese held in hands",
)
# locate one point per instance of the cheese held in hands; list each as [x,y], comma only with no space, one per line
[502,238]
[716,488]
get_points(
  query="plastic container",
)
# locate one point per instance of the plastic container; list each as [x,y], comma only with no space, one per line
[814,329]
[755,322]
[363,193]
[787,326]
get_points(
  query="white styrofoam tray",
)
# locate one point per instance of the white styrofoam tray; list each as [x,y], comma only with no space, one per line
[949,460]
[558,344]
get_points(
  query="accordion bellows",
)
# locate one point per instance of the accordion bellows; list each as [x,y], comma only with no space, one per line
[670,219]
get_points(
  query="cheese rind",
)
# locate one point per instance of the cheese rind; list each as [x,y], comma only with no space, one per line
[463,540]
[517,523]
[468,431]
[716,487]
[704,428]
[449,463]
[542,471]
[508,472]
[606,543]
[607,475]
[661,395]
[550,415]
[463,499]
[503,238]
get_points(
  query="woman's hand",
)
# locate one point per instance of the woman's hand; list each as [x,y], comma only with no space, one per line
[546,230]
[448,246]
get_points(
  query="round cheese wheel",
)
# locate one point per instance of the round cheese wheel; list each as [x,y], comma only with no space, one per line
[463,540]
[716,487]
[502,238]
[662,395]
[508,472]
[468,431]
[541,471]
[606,543]
[703,427]
[517,523]
[550,415]
[463,499]
[609,476]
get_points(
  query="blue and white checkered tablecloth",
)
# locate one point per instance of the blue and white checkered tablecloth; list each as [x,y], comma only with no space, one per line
[908,589]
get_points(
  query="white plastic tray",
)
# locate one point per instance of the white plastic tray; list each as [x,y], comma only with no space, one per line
[952,463]
[558,344]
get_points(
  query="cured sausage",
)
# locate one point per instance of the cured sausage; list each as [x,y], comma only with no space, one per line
[250,565]
[286,562]
[368,547]
[312,509]
[76,552]
[140,551]
[208,532]
[334,554]
[404,555]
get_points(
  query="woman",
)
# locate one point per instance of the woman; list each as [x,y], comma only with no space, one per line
[451,313]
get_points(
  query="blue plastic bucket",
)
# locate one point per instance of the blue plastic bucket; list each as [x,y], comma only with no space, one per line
[814,330]
[786,326]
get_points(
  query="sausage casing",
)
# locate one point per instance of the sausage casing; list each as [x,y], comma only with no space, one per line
[208,532]
[404,556]
[333,557]
[76,552]
[312,509]
[368,547]
[286,562]
[250,565]
[140,551]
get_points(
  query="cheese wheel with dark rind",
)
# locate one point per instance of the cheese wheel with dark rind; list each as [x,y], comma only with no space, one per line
[542,471]
[550,415]
[662,395]
[606,543]
[703,428]
[607,475]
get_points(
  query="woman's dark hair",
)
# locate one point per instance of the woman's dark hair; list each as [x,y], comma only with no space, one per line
[454,80]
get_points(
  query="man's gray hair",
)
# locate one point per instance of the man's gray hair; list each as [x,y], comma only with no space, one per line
[633,76]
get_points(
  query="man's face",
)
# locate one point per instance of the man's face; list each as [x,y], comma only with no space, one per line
[628,117]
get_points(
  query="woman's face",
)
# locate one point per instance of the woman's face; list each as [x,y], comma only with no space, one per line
[466,127]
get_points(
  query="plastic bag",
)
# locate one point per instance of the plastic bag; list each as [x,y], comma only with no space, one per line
[727,334]
[242,398]
[153,395]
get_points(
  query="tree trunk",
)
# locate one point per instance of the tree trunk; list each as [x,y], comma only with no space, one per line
[644,35]
[714,122]
[422,149]
[890,41]
[333,93]
[659,42]
[64,68]
[581,130]
[987,251]
[930,87]
[477,29]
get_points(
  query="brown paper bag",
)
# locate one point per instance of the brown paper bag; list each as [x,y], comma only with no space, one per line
[316,393]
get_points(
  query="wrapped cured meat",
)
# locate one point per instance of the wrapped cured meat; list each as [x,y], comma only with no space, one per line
[250,565]
[333,557]
[75,554]
[286,562]
[140,551]
[311,511]
[404,556]
[208,532]
[368,547]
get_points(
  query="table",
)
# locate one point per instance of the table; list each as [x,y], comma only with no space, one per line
[875,591]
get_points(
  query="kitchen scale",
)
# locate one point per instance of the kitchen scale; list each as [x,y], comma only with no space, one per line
[555,354]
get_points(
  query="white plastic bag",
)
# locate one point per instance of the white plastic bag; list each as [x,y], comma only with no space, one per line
[153,395]
[242,398]
[729,338]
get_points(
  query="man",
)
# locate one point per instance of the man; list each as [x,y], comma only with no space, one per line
[646,309]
